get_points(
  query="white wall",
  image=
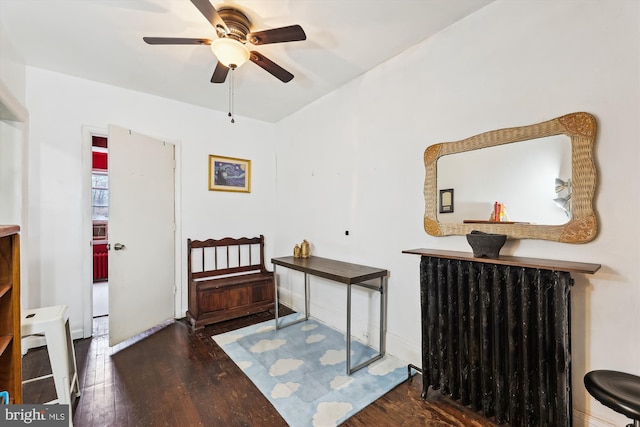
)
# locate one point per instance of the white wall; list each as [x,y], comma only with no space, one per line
[11,68]
[353,161]
[10,172]
[59,107]
[14,146]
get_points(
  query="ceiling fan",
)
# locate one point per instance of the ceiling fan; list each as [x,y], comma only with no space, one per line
[234,32]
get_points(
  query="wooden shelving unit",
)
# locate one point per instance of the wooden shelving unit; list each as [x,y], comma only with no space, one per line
[10,355]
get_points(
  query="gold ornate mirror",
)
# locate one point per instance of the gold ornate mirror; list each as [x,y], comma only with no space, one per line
[581,226]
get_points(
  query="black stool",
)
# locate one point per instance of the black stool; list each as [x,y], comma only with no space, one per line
[617,390]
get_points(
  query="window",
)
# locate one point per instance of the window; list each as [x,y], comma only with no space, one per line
[100,196]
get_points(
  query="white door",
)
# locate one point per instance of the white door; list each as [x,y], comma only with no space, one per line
[141,233]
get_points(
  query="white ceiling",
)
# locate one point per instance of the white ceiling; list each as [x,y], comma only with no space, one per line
[101,40]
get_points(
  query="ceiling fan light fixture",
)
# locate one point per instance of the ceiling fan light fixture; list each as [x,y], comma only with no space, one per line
[230,52]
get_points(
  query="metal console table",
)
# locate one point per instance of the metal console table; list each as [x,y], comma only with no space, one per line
[342,272]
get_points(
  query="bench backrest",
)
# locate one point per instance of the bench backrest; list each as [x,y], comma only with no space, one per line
[218,257]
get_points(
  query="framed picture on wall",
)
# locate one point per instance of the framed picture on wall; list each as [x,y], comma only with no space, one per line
[229,174]
[446,200]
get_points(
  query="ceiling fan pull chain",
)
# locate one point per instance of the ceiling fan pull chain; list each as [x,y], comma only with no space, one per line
[229,98]
[232,96]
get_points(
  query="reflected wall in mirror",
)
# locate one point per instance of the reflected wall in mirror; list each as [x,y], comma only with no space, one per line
[558,148]
[524,181]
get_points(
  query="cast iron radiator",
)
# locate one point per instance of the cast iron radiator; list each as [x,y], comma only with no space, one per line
[497,339]
[100,266]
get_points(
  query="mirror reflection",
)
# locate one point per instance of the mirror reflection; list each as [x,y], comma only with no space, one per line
[522,176]
[550,182]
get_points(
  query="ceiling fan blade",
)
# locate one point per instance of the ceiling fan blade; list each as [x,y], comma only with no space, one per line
[212,15]
[291,33]
[172,40]
[270,66]
[220,73]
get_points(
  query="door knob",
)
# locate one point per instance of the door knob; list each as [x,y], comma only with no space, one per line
[119,246]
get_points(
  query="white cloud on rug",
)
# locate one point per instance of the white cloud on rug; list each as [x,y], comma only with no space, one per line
[385,366]
[226,339]
[283,366]
[340,382]
[328,413]
[266,345]
[333,357]
[244,364]
[314,338]
[308,327]
[284,390]
[267,328]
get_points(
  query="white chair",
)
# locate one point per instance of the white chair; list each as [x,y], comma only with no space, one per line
[53,324]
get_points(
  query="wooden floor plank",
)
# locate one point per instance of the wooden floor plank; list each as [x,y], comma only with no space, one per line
[172,376]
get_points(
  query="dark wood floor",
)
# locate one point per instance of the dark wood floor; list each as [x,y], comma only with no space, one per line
[175,377]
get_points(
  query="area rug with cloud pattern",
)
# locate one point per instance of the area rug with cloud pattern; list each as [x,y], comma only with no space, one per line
[301,370]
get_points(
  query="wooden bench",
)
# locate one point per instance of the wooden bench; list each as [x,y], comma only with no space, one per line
[227,279]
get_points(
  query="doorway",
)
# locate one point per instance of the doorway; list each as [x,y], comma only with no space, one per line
[100,224]
[178,283]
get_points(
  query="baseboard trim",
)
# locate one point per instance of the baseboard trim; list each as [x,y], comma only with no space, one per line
[35,341]
[582,419]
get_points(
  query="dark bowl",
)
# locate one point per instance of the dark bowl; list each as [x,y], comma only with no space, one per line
[486,245]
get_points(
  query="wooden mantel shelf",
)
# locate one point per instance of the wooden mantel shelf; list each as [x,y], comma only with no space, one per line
[546,264]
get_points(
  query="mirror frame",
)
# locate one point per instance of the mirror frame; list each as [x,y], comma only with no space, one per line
[581,228]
